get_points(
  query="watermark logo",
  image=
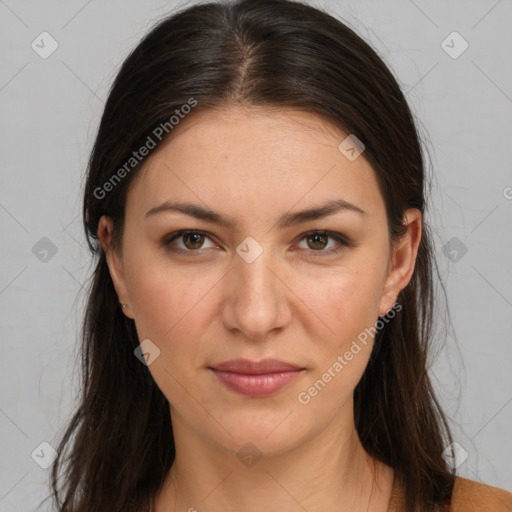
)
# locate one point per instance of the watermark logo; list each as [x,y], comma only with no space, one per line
[455,455]
[44,250]
[351,147]
[249,454]
[454,45]
[44,455]
[249,250]
[44,45]
[147,352]
[454,249]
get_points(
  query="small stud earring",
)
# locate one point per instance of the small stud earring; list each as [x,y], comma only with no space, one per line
[123,305]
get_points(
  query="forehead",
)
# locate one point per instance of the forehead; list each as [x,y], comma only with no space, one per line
[231,132]
[264,156]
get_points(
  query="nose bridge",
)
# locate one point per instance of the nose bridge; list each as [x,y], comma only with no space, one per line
[256,301]
[255,276]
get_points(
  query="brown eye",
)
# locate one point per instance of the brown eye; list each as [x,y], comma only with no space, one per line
[191,242]
[182,242]
[195,240]
[318,241]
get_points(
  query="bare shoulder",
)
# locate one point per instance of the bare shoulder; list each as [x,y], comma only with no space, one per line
[473,496]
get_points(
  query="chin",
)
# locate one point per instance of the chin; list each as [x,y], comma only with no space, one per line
[269,436]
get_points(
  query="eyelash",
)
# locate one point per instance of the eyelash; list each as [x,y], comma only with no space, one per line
[342,240]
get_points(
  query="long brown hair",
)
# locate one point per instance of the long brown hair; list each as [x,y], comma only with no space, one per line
[119,445]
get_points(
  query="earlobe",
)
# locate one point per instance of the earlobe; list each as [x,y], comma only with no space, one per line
[403,260]
[114,262]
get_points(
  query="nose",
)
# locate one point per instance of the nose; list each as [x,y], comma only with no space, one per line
[256,297]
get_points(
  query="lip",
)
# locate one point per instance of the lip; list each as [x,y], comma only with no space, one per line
[249,367]
[256,378]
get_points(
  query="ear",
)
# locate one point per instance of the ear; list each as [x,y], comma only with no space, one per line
[114,262]
[403,260]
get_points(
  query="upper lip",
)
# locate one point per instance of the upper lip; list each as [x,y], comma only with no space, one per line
[255,367]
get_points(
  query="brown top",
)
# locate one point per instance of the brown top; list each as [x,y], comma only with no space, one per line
[468,496]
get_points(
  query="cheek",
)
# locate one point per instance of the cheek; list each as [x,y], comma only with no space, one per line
[172,307]
[348,307]
[347,302]
[165,297]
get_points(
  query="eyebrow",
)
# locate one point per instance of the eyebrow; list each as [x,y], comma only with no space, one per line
[287,220]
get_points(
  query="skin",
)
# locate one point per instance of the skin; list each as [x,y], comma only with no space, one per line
[290,303]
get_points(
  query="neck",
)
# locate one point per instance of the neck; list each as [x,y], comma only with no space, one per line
[329,471]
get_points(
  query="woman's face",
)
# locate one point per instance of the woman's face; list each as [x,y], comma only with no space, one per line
[260,285]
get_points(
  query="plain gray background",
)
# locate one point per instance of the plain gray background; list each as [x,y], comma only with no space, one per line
[50,109]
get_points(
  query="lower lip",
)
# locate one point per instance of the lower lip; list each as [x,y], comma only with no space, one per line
[256,385]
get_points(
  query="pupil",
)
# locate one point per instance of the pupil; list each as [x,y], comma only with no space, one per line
[315,237]
[192,235]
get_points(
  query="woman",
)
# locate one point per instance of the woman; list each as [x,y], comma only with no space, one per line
[257,328]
